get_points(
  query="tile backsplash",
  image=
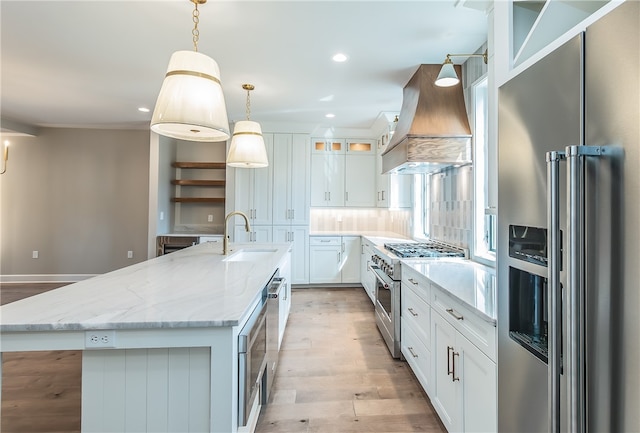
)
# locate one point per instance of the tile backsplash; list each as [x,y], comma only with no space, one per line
[451,206]
[361,220]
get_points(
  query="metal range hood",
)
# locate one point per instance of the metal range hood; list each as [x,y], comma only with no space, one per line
[433,129]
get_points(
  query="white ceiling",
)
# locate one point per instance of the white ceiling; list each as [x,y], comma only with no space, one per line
[93,63]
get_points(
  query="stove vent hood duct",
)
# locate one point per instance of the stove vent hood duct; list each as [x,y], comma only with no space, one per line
[433,129]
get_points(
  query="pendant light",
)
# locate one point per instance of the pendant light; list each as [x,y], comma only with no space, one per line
[191,104]
[247,148]
[447,76]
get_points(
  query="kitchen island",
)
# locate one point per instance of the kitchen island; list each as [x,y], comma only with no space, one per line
[159,338]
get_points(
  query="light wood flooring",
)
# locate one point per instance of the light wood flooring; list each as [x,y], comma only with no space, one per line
[335,375]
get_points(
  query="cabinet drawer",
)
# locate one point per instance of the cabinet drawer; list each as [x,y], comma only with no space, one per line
[417,282]
[325,240]
[417,314]
[480,332]
[417,355]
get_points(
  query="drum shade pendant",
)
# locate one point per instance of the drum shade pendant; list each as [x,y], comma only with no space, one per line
[447,76]
[191,104]
[247,148]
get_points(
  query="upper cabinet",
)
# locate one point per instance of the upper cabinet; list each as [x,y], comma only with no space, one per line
[291,179]
[253,190]
[343,173]
[538,23]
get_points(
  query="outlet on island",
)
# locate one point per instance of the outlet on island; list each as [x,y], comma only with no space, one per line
[100,339]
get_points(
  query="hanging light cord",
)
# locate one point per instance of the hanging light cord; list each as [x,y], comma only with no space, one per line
[248,88]
[195,32]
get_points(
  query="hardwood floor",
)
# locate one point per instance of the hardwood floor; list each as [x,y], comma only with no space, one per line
[335,375]
[40,390]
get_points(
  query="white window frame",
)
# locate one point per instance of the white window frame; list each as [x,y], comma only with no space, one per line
[484,221]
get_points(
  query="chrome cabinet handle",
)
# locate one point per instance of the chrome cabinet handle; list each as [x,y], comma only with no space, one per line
[449,350]
[453,361]
[383,195]
[346,195]
[413,313]
[454,314]
[412,352]
[339,256]
[412,281]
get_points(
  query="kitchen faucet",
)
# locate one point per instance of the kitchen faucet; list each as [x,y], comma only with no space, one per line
[225,240]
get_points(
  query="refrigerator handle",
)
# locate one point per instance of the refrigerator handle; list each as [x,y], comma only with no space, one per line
[555,310]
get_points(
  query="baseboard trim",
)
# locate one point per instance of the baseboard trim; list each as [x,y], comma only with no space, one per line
[45,278]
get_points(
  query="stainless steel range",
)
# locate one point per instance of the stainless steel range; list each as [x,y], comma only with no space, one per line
[388,271]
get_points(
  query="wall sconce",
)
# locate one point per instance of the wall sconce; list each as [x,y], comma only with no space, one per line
[447,76]
[191,104]
[247,148]
[6,156]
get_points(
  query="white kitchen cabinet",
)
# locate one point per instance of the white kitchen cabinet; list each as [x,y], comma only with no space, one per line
[291,179]
[327,179]
[325,255]
[360,180]
[326,145]
[299,237]
[343,173]
[284,300]
[253,190]
[416,325]
[464,380]
[257,234]
[334,259]
[350,265]
[367,277]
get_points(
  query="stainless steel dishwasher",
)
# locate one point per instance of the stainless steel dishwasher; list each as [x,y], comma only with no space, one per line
[273,332]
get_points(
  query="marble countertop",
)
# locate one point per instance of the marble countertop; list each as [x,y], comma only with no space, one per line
[472,283]
[192,287]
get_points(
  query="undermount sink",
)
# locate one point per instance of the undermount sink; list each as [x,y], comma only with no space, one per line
[250,255]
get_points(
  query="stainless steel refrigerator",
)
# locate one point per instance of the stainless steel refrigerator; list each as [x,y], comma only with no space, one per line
[569,235]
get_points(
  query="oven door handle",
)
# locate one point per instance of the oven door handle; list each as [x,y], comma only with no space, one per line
[380,275]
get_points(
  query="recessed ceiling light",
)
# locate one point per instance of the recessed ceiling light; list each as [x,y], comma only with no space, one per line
[143,109]
[339,58]
[330,115]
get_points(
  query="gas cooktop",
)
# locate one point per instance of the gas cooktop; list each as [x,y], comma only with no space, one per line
[425,249]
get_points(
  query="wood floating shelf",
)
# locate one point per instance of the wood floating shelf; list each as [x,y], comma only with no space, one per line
[209,165]
[194,182]
[198,199]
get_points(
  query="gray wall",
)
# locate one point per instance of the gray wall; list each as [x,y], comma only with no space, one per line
[80,197]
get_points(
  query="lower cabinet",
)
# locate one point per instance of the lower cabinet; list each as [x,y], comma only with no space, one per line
[299,237]
[367,277]
[464,381]
[415,315]
[334,259]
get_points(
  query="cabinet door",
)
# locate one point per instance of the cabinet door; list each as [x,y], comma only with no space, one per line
[319,182]
[324,263]
[257,234]
[300,180]
[361,147]
[299,236]
[478,381]
[350,259]
[326,145]
[334,167]
[282,183]
[262,187]
[253,190]
[360,180]
[444,389]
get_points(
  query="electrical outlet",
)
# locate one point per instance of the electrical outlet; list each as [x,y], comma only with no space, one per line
[161,216]
[100,339]
[129,254]
[34,255]
[210,218]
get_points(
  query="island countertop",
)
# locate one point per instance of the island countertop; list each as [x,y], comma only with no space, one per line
[193,287]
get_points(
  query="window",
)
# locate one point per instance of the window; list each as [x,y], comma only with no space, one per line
[484,242]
